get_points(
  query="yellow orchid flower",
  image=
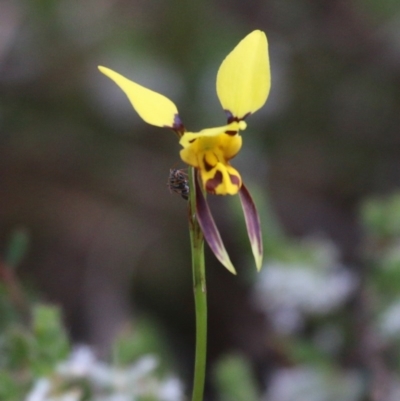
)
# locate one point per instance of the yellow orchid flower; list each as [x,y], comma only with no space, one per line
[243,83]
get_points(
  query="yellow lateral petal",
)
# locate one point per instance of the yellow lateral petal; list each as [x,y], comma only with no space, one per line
[244,78]
[151,106]
[188,137]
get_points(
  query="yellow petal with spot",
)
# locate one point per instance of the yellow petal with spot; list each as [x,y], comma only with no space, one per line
[244,78]
[152,107]
[223,179]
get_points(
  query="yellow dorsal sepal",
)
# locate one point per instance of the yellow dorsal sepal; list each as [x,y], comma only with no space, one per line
[244,79]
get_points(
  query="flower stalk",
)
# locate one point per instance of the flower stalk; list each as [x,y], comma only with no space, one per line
[200,291]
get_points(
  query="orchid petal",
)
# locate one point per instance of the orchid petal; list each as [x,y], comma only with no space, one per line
[152,107]
[253,225]
[244,79]
[210,230]
[222,179]
[226,147]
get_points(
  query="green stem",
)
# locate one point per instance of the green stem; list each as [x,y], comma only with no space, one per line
[200,293]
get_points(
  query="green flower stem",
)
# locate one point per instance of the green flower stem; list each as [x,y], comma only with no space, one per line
[200,292]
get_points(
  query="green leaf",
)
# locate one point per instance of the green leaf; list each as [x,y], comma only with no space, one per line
[234,379]
[51,342]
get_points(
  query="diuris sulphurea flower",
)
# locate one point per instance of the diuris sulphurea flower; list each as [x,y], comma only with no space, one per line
[243,84]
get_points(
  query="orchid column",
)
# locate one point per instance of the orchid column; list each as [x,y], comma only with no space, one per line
[243,83]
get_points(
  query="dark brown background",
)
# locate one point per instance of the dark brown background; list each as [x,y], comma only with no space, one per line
[87,178]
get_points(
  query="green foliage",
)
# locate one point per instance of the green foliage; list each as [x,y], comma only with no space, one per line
[8,313]
[40,354]
[381,216]
[142,339]
[32,337]
[17,247]
[380,9]
[306,352]
[50,341]
[34,347]
[234,379]
[28,352]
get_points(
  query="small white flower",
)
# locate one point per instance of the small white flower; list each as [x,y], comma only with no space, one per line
[290,291]
[79,364]
[170,390]
[308,384]
[40,390]
[389,323]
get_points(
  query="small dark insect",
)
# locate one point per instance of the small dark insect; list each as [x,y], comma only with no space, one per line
[178,182]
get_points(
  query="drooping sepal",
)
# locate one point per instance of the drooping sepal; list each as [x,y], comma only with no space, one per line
[210,230]
[253,225]
[152,107]
[244,78]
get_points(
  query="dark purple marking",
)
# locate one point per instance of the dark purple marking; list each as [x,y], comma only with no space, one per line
[178,125]
[229,116]
[232,118]
[235,180]
[231,133]
[214,182]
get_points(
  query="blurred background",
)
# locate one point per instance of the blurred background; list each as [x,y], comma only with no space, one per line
[85,206]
